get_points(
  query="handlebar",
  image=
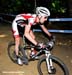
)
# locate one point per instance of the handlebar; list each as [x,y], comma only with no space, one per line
[48,46]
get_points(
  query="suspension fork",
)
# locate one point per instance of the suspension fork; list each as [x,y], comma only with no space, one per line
[48,61]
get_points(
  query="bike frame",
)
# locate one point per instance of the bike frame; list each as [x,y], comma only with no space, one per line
[47,54]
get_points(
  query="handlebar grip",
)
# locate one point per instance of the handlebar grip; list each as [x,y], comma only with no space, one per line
[50,44]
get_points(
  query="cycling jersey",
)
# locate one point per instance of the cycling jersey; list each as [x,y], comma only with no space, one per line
[30,18]
[22,20]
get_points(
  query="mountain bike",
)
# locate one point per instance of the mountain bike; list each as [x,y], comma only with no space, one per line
[48,64]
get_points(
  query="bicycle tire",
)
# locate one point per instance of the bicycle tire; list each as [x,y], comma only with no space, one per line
[55,60]
[10,45]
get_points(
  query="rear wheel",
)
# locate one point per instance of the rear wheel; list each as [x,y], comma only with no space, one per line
[59,68]
[11,52]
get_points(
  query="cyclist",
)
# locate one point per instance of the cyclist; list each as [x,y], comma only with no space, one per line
[24,22]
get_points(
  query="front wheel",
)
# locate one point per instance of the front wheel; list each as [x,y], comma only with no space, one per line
[59,68]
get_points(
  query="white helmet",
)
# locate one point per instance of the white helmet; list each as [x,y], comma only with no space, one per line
[42,11]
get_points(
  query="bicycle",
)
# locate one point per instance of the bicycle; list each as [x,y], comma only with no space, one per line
[47,63]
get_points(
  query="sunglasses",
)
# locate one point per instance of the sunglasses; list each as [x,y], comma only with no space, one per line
[46,17]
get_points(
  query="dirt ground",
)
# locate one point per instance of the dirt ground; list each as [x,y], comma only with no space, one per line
[62,49]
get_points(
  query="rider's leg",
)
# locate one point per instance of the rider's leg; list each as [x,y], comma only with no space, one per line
[17,43]
[16,36]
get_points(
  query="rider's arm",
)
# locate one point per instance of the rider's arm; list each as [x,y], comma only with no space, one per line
[45,30]
[50,36]
[27,34]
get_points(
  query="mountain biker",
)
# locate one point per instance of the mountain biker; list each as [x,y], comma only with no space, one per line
[24,22]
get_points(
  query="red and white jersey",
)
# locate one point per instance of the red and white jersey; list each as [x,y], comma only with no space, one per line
[30,17]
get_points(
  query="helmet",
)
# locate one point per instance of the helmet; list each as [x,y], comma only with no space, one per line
[42,11]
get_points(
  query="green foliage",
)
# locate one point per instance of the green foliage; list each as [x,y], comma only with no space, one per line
[56,6]
[20,6]
[16,6]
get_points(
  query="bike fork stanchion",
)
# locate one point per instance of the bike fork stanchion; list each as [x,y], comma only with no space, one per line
[49,62]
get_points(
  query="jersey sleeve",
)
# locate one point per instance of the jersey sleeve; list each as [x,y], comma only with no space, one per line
[31,21]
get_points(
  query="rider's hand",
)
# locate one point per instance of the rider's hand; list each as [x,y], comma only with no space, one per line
[40,46]
[51,41]
[52,38]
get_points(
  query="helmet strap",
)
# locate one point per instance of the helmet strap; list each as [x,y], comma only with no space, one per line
[39,16]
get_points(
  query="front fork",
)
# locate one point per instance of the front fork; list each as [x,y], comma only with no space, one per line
[49,61]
